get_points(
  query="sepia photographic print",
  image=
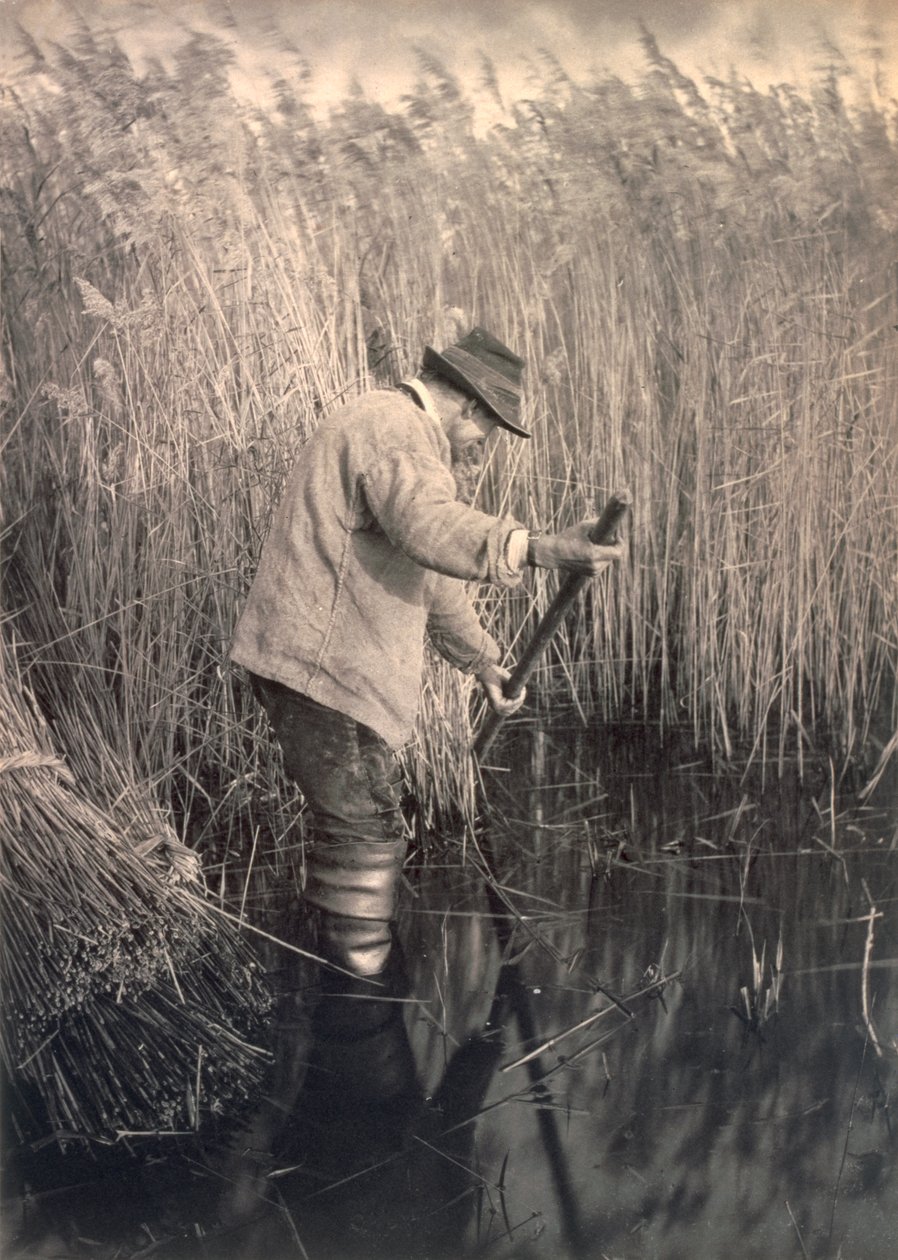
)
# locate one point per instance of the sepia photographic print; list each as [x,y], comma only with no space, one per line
[449,629]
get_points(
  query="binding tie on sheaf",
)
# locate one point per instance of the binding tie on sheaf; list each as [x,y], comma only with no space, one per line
[37,761]
[184,865]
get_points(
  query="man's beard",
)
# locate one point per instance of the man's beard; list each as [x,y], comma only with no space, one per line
[467,466]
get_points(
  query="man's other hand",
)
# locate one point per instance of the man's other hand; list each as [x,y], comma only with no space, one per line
[572,551]
[492,680]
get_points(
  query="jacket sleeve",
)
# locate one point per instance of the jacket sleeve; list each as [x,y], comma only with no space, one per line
[411,495]
[454,628]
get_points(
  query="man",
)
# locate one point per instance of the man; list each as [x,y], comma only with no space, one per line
[366,559]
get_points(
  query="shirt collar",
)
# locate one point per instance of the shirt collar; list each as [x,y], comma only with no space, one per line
[423,397]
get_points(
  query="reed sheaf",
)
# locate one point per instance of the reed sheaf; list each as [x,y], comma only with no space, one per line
[702,279]
[127,1004]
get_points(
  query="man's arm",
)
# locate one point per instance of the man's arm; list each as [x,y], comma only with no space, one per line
[454,628]
[455,631]
[412,497]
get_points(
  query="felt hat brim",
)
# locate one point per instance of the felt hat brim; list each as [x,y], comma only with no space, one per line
[480,381]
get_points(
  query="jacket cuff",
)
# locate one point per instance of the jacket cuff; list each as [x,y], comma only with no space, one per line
[467,658]
[489,654]
[501,571]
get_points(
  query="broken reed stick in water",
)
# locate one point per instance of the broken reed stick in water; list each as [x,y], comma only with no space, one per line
[585,1023]
[871,918]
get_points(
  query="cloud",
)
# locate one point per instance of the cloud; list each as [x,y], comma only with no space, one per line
[767,40]
[374,42]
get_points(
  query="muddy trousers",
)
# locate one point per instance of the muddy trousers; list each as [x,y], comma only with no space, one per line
[350,780]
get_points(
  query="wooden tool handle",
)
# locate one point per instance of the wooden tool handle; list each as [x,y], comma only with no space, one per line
[602,533]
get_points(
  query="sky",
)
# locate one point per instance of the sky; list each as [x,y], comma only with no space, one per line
[372,41]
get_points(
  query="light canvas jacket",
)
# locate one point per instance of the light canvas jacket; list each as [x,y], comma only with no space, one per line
[366,558]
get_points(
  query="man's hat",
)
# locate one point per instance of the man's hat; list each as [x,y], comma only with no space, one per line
[484,368]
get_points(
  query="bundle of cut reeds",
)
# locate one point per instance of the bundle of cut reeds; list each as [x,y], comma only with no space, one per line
[129,1004]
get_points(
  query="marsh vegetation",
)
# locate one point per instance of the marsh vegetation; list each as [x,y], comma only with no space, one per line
[702,278]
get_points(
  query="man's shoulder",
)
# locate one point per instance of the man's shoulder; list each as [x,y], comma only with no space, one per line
[381,403]
[385,418]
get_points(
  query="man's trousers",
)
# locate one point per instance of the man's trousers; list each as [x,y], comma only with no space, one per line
[350,780]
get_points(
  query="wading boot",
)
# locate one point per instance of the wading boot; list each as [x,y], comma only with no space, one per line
[352,885]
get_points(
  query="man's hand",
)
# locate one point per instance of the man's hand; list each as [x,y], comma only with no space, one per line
[572,551]
[491,680]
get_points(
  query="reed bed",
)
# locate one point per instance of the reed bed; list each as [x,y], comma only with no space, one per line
[699,277]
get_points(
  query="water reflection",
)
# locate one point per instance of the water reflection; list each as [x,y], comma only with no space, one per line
[382,1168]
[665,1029]
[651,1015]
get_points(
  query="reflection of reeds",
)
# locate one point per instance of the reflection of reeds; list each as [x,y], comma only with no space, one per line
[695,278]
[684,1120]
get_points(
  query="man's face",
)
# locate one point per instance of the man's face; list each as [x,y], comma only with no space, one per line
[468,433]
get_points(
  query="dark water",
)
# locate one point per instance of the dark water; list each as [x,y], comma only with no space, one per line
[726,945]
